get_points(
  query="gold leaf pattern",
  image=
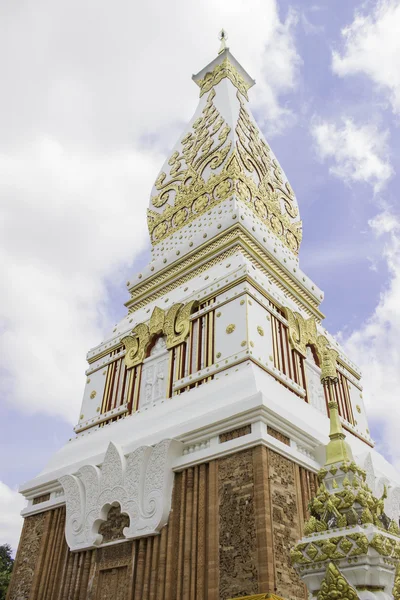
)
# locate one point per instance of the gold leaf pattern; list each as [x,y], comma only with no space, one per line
[224,69]
[248,169]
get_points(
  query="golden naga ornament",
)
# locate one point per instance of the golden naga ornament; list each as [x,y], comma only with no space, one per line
[174,324]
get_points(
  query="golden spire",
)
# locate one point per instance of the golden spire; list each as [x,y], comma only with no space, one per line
[223,36]
[337,450]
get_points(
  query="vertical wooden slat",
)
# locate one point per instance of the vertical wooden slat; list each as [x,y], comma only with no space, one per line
[85,575]
[59,556]
[179,586]
[188,529]
[201,535]
[213,533]
[71,595]
[193,558]
[106,388]
[301,500]
[147,568]
[136,392]
[140,565]
[48,551]
[55,552]
[155,561]
[172,566]
[162,561]
[131,374]
[263,519]
[78,578]
[41,556]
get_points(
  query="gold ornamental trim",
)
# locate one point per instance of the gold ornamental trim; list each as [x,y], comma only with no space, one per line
[174,324]
[224,69]
[173,276]
[210,170]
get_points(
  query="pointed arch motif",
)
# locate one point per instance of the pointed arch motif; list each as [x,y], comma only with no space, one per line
[174,324]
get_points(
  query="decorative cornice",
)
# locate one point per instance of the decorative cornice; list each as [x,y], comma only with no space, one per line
[211,253]
[220,71]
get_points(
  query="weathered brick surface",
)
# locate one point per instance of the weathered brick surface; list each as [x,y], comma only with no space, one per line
[231,527]
[278,435]
[285,524]
[27,557]
[237,528]
[234,433]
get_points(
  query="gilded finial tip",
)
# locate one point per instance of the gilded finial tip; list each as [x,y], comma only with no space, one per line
[222,36]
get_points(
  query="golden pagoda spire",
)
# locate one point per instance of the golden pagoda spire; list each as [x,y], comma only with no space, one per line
[337,450]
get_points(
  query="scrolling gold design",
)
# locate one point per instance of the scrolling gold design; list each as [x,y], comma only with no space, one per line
[174,324]
[224,69]
[206,146]
[249,171]
[303,333]
[135,345]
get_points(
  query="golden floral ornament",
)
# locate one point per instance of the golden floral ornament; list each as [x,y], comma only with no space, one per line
[231,328]
[260,330]
[93,394]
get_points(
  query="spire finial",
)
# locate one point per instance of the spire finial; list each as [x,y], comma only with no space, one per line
[223,36]
[337,450]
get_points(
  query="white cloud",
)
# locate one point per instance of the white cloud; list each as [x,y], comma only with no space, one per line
[375,345]
[372,47]
[90,95]
[11,504]
[70,220]
[357,152]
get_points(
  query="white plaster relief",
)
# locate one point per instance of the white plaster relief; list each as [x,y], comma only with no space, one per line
[196,447]
[314,387]
[154,375]
[141,483]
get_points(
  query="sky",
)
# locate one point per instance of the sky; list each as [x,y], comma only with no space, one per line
[94,94]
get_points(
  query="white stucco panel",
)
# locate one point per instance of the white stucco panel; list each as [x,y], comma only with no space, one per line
[260,332]
[230,328]
[93,394]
